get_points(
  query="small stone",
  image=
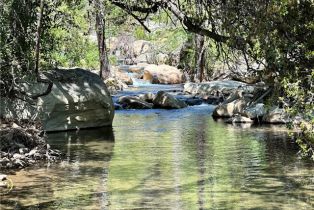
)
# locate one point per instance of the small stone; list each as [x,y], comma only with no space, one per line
[4,160]
[9,165]
[38,156]
[3,184]
[32,152]
[17,156]
[31,161]
[14,125]
[3,154]
[19,163]
[3,177]
[23,150]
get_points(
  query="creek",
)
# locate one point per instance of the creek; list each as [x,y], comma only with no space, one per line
[168,159]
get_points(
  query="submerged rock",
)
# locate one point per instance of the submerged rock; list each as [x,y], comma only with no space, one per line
[193,101]
[239,119]
[79,99]
[167,101]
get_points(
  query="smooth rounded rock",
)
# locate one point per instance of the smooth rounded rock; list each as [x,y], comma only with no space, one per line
[78,99]
[168,101]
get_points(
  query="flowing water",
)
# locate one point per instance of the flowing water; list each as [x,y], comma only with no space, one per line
[168,159]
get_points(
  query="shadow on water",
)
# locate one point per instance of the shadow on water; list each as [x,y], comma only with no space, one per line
[72,182]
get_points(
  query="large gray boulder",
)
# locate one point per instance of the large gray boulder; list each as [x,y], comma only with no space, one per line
[79,99]
[167,101]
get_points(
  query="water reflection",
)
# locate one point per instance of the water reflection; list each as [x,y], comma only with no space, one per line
[79,181]
[161,159]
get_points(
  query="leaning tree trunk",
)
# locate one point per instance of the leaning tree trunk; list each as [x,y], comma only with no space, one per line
[37,55]
[104,71]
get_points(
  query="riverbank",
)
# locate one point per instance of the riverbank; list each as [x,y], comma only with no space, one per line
[23,144]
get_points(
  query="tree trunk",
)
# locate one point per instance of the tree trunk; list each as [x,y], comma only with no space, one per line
[199,57]
[104,71]
[199,48]
[37,53]
[38,36]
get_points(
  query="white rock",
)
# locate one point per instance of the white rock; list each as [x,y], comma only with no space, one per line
[3,177]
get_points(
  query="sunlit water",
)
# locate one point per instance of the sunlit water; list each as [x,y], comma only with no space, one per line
[168,159]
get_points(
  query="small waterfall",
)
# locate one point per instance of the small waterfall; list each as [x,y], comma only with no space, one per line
[140,82]
[136,82]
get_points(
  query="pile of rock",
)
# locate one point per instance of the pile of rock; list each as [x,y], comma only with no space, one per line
[26,157]
[238,101]
[23,146]
[245,110]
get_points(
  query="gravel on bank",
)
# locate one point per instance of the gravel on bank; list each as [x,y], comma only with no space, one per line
[23,144]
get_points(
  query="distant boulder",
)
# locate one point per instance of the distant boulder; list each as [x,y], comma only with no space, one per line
[163,74]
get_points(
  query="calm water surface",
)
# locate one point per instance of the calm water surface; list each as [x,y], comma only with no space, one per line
[161,159]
